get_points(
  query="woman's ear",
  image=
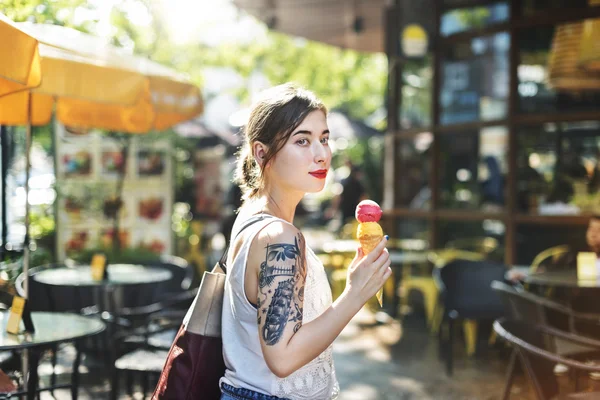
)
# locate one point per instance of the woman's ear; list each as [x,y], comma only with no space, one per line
[259,151]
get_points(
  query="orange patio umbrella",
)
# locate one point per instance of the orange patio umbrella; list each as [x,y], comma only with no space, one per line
[20,65]
[90,84]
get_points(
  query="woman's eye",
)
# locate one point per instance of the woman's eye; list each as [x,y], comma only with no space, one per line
[325,140]
[302,142]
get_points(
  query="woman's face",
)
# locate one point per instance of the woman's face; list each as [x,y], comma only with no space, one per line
[303,162]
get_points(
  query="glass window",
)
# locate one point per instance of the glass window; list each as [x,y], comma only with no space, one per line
[472,18]
[409,228]
[485,236]
[533,239]
[413,167]
[474,80]
[473,169]
[534,6]
[568,88]
[558,168]
[415,108]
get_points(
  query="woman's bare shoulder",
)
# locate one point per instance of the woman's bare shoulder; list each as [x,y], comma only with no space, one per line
[277,234]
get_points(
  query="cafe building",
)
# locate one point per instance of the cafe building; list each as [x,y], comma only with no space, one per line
[493,114]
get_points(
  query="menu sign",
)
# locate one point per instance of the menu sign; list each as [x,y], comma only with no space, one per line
[89,167]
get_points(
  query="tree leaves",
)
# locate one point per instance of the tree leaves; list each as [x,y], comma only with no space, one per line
[344,79]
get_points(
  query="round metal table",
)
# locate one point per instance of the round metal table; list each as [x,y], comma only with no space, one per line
[118,275]
[566,278]
[106,292]
[50,329]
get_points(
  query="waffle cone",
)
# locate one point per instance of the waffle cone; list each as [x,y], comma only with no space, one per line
[369,235]
[369,243]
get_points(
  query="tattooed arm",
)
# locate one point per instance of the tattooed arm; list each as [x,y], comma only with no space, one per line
[280,296]
[278,255]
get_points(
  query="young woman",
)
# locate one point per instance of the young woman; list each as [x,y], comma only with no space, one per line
[278,318]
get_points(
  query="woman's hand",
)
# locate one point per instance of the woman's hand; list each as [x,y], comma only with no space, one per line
[367,274]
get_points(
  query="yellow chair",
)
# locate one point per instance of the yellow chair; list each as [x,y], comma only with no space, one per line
[338,284]
[550,254]
[553,253]
[482,245]
[427,286]
[439,258]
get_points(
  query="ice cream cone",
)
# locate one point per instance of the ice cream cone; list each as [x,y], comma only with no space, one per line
[369,235]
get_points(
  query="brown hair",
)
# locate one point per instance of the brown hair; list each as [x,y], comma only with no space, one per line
[273,118]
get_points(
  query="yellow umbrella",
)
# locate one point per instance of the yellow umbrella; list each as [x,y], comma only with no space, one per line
[20,66]
[91,84]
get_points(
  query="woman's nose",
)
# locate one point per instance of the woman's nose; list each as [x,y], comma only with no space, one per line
[320,153]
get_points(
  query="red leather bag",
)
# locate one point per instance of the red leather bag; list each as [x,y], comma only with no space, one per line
[195,363]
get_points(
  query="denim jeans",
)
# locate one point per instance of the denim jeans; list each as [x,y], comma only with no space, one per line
[229,392]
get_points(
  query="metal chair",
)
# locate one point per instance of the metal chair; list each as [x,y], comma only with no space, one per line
[525,306]
[184,277]
[54,298]
[142,347]
[530,344]
[465,292]
[553,253]
[439,258]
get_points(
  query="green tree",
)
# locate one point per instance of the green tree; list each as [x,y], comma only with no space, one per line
[56,12]
[347,80]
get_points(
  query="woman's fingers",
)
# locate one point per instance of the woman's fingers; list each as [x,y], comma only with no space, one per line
[382,259]
[387,273]
[381,269]
[359,254]
[372,256]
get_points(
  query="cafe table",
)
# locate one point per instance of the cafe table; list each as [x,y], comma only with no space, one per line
[119,275]
[51,329]
[565,278]
[579,294]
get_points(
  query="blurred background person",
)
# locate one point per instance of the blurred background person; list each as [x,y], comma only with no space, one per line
[353,192]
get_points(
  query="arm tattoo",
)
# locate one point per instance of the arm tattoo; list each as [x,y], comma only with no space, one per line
[288,263]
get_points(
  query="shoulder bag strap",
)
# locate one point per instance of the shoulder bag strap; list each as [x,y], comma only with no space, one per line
[251,221]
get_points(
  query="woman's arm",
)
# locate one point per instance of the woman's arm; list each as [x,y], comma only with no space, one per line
[288,345]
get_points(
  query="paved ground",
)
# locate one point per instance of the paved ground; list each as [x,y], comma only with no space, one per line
[378,361]
[373,364]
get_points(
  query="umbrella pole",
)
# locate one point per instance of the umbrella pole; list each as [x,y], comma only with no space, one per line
[25,353]
[27,173]
[4,171]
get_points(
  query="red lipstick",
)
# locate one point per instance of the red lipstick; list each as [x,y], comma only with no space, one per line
[319,174]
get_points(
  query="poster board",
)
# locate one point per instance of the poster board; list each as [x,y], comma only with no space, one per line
[88,164]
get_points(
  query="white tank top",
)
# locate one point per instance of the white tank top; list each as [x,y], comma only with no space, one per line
[246,366]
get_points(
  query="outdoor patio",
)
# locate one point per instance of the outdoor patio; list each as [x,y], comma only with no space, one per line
[372,363]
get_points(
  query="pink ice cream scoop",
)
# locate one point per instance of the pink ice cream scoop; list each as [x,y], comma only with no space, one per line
[368,211]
